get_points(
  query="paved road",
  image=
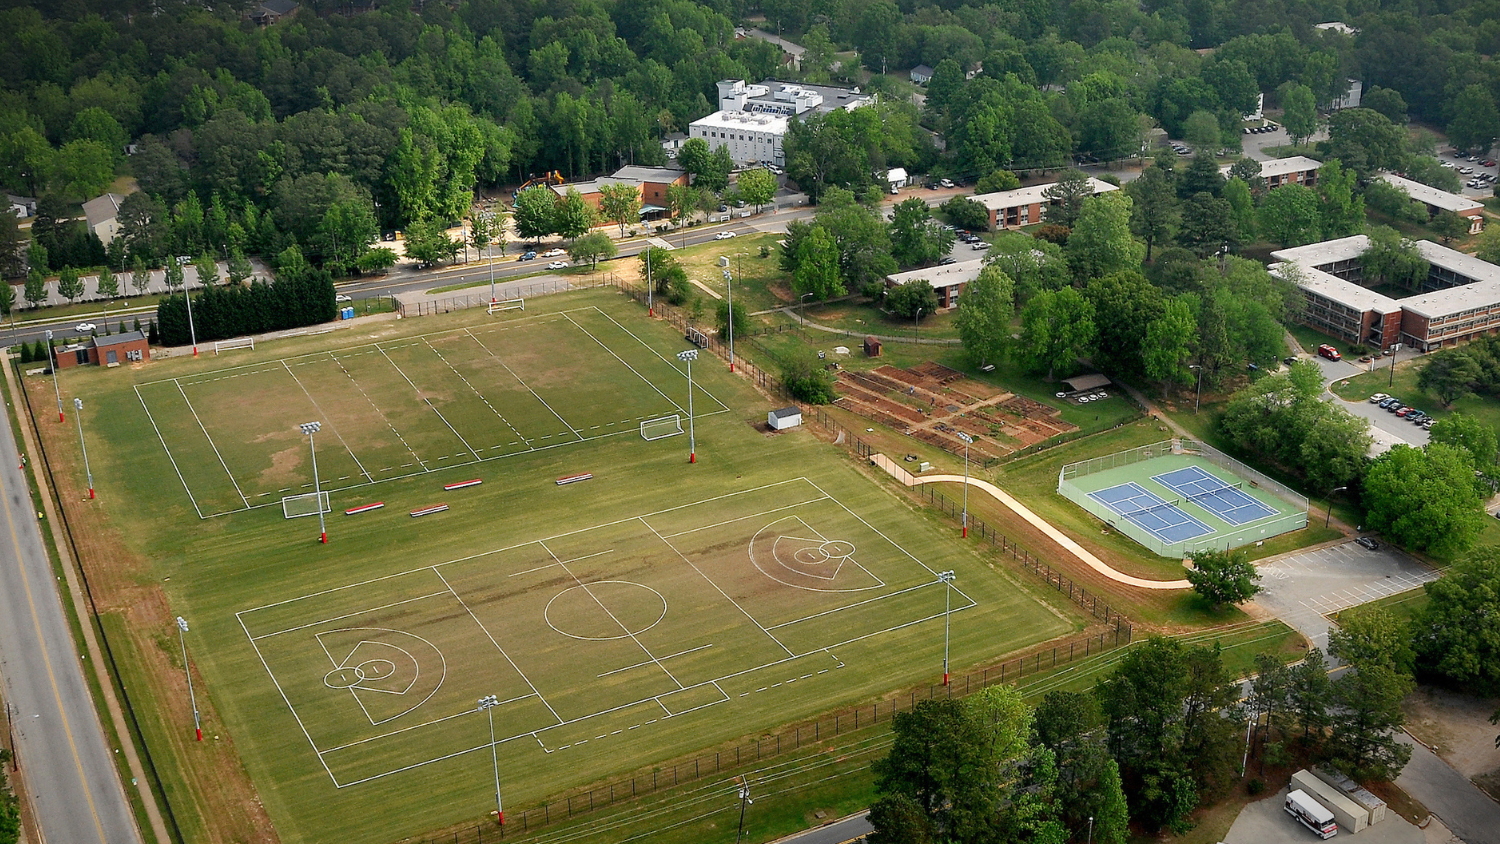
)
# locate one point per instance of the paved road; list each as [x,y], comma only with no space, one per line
[1266,822]
[1466,810]
[838,832]
[64,758]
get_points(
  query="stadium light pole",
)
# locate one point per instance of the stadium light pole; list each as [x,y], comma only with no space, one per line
[650,287]
[182,629]
[1199,395]
[1328,514]
[729,288]
[688,357]
[192,331]
[486,705]
[52,363]
[967,441]
[946,577]
[745,800]
[310,428]
[78,415]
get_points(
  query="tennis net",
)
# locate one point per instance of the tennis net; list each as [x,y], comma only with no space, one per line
[1147,509]
[1213,492]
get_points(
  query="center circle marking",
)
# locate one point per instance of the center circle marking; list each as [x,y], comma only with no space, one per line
[605,610]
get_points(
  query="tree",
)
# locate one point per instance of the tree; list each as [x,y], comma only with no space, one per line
[140,277]
[996,181]
[574,217]
[7,299]
[1476,122]
[1466,432]
[1424,499]
[591,249]
[757,187]
[917,239]
[965,213]
[1299,114]
[1449,225]
[1167,347]
[482,230]
[107,285]
[428,243]
[1341,212]
[535,213]
[1333,449]
[11,262]
[1201,131]
[817,269]
[1123,302]
[1101,242]
[912,299]
[1057,327]
[1067,196]
[681,200]
[1153,210]
[1458,633]
[984,314]
[620,203]
[69,285]
[82,169]
[1363,741]
[35,290]
[1373,637]
[240,269]
[374,261]
[1223,577]
[805,378]
[1450,374]
[1309,692]
[1207,224]
[694,157]
[1364,141]
[721,319]
[207,270]
[1201,176]
[1386,101]
[1289,215]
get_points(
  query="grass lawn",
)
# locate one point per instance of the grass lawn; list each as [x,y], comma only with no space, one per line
[861,316]
[759,283]
[1311,338]
[660,608]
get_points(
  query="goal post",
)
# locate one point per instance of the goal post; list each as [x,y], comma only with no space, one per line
[498,305]
[661,427]
[236,343]
[307,504]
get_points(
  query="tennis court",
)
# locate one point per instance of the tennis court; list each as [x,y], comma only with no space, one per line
[1162,519]
[1228,502]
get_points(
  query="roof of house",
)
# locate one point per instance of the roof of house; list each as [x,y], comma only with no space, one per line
[641,173]
[787,412]
[1429,195]
[1087,382]
[1327,252]
[896,174]
[1030,195]
[941,276]
[1335,289]
[1482,289]
[102,209]
[922,70]
[117,339]
[1284,166]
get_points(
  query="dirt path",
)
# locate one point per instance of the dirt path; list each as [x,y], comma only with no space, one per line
[1036,521]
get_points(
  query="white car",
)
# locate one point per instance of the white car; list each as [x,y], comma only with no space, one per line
[342,298]
[979,245]
[85,327]
[553,253]
[558,265]
[723,235]
[1378,397]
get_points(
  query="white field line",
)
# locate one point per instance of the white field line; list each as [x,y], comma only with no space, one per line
[378,412]
[519,380]
[211,444]
[285,700]
[475,391]
[428,402]
[329,420]
[349,615]
[170,458]
[659,356]
[637,373]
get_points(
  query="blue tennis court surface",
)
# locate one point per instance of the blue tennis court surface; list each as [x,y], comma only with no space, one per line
[1229,503]
[1161,518]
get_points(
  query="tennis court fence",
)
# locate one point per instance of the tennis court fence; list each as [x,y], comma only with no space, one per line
[1294,504]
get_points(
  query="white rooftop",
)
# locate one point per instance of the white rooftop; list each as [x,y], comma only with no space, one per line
[1346,293]
[641,173]
[1030,195]
[1431,195]
[941,276]
[1337,26]
[1483,292]
[1284,166]
[745,120]
[1327,252]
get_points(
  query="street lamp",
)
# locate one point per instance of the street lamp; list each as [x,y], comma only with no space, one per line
[946,578]
[486,704]
[1328,516]
[915,322]
[182,628]
[78,414]
[802,303]
[52,357]
[1199,396]
[192,332]
[688,357]
[310,428]
[744,801]
[1091,829]
[650,286]
[968,440]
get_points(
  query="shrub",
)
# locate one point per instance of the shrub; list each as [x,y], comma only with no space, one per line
[806,379]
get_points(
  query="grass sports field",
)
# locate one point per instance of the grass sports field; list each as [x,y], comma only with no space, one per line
[660,608]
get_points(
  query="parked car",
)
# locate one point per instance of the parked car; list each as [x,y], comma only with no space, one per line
[1367,543]
[723,235]
[1405,411]
[1427,423]
[1417,418]
[558,265]
[1386,402]
[1378,397]
[1488,162]
[979,246]
[1289,360]
[1329,352]
[947,183]
[949,259]
[1394,407]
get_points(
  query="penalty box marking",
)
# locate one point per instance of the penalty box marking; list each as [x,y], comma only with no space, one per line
[561,722]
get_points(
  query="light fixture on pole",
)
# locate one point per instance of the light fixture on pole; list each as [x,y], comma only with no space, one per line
[78,414]
[745,800]
[1328,516]
[1199,395]
[916,322]
[310,428]
[182,628]
[52,364]
[729,289]
[486,704]
[946,578]
[192,332]
[968,440]
[650,287]
[802,303]
[688,357]
[1091,829]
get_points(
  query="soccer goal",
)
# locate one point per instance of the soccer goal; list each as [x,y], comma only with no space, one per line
[662,427]
[297,506]
[499,305]
[236,343]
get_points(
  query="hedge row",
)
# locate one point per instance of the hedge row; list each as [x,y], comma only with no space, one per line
[220,312]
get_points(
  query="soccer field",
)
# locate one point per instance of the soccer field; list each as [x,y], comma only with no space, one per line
[405,407]
[658,610]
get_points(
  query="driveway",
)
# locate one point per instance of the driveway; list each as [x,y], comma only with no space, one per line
[1466,810]
[1303,587]
[1266,822]
[1387,428]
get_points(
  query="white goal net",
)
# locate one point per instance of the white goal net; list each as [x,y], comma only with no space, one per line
[237,343]
[662,427]
[297,506]
[507,305]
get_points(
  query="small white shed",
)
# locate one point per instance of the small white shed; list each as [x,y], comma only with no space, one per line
[897,177]
[787,417]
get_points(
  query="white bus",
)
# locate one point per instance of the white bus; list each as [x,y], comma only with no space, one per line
[1311,813]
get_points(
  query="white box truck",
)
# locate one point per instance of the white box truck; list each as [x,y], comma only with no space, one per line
[1311,814]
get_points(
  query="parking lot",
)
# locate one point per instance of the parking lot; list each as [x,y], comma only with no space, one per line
[1266,822]
[1477,172]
